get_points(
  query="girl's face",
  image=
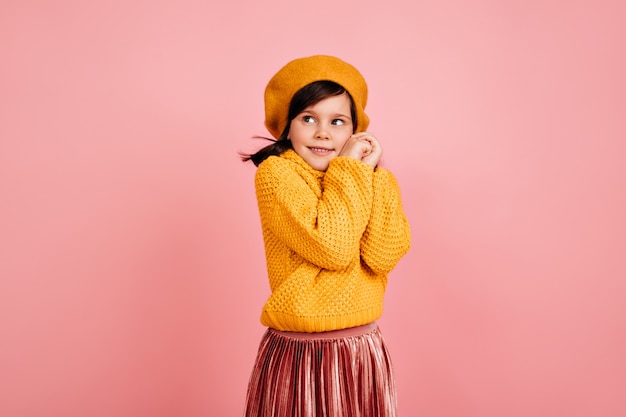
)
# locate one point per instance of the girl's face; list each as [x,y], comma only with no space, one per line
[319,132]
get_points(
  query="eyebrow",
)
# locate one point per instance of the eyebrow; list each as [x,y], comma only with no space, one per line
[334,115]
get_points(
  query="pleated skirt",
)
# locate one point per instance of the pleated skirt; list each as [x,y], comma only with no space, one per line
[344,373]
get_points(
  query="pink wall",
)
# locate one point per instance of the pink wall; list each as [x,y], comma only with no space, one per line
[131,263]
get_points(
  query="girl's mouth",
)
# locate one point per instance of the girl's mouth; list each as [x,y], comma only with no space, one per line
[320,150]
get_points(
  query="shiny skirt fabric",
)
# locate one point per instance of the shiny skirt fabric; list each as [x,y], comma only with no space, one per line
[345,373]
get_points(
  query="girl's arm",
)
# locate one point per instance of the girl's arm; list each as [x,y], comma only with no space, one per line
[324,227]
[387,236]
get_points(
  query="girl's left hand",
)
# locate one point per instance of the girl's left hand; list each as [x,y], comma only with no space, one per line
[372,157]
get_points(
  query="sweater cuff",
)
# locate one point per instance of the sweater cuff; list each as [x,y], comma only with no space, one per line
[346,161]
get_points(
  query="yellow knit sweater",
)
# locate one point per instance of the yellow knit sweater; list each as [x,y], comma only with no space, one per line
[330,238]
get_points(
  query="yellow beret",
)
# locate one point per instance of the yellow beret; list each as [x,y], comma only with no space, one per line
[303,71]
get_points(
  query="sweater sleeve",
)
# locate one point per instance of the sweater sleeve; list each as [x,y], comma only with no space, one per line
[387,237]
[325,229]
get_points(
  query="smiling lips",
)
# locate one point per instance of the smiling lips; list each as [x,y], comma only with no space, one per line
[321,151]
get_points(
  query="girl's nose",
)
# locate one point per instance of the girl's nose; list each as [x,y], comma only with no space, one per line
[322,134]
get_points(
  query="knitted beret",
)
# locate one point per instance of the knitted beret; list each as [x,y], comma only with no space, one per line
[303,71]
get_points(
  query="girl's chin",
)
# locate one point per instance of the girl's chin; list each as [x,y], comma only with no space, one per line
[319,165]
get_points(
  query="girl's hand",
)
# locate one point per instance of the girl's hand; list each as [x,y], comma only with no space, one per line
[364,147]
[356,148]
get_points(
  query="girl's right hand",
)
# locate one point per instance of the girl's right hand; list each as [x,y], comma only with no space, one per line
[364,147]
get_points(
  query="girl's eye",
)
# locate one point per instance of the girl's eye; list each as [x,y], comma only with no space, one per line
[307,119]
[338,122]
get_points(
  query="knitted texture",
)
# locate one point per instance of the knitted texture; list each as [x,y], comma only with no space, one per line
[330,238]
[303,71]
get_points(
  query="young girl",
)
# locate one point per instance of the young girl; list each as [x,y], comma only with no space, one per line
[333,228]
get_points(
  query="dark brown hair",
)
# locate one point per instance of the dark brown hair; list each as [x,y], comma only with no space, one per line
[308,95]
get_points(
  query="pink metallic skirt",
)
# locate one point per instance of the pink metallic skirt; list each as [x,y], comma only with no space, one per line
[343,373]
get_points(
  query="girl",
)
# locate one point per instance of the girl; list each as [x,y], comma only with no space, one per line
[333,228]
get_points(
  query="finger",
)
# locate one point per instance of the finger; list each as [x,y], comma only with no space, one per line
[371,145]
[368,144]
[361,136]
[367,140]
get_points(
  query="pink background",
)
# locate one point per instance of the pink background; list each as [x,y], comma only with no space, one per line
[131,260]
